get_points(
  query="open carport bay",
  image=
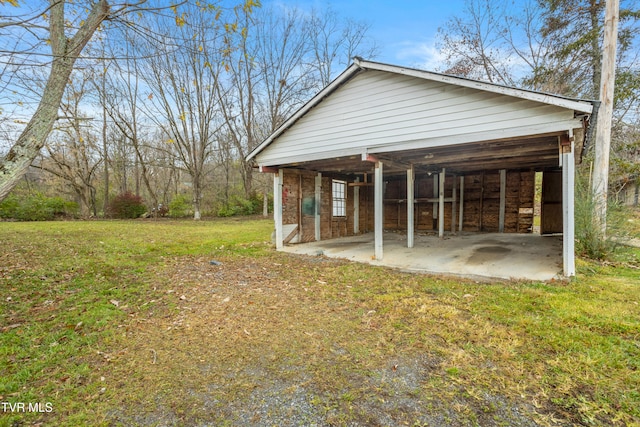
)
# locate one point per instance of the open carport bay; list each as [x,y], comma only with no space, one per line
[473,255]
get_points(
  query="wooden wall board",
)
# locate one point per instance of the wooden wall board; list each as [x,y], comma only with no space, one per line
[481,204]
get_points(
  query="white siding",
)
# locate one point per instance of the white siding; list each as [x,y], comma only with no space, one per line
[378,111]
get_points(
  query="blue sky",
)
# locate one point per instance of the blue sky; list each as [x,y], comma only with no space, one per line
[403,29]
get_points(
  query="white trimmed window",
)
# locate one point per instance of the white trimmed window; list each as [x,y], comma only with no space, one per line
[339,190]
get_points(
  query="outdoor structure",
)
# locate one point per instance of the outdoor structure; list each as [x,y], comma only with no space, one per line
[628,191]
[391,148]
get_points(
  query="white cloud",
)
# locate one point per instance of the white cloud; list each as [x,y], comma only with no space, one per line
[419,54]
[425,55]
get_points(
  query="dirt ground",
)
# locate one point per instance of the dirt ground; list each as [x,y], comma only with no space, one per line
[250,342]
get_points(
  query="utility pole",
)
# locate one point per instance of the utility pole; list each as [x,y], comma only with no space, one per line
[603,125]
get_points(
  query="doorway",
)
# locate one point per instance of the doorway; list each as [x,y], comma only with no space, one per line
[551,203]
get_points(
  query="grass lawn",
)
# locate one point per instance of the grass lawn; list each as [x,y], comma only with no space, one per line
[130,323]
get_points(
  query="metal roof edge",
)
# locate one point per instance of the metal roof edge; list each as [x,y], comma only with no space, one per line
[580,105]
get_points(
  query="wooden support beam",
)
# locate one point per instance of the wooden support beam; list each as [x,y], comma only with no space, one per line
[454,204]
[560,152]
[503,199]
[410,206]
[378,211]
[299,207]
[277,207]
[267,169]
[461,204]
[291,235]
[435,193]
[441,182]
[356,207]
[434,200]
[481,202]
[318,197]
[394,163]
[568,210]
[366,157]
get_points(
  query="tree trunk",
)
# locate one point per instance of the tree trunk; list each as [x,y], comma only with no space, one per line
[65,52]
[247,177]
[197,196]
[29,143]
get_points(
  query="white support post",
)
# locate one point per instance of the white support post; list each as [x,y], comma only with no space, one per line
[356,208]
[277,207]
[461,203]
[503,199]
[441,204]
[318,194]
[454,204]
[378,210]
[568,209]
[435,191]
[410,206]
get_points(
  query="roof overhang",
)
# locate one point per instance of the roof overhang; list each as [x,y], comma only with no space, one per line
[530,148]
[537,152]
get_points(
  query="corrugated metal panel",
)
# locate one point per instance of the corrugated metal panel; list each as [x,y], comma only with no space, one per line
[381,110]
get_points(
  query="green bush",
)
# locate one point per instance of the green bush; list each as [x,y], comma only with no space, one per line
[590,241]
[127,206]
[180,206]
[36,207]
[241,206]
[9,207]
[226,211]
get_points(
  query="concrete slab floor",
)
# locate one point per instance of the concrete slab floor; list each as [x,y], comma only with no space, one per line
[472,255]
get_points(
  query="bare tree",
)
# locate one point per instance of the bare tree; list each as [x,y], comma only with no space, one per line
[474,43]
[182,101]
[64,52]
[263,80]
[72,152]
[60,36]
[334,42]
[119,94]
[281,59]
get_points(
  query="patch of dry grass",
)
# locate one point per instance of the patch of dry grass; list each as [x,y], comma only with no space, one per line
[267,338]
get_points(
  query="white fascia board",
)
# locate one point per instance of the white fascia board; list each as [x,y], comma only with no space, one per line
[491,135]
[301,158]
[336,83]
[576,105]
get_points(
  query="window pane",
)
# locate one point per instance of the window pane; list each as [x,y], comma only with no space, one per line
[339,198]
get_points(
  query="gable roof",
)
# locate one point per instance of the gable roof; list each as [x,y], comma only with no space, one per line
[359,65]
